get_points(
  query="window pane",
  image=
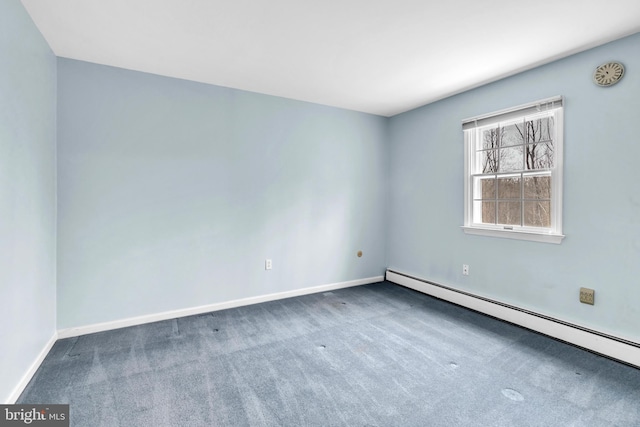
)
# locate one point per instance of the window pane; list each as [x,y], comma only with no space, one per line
[537,187]
[509,213]
[539,156]
[537,214]
[511,159]
[489,161]
[512,135]
[490,138]
[484,188]
[540,130]
[509,188]
[487,209]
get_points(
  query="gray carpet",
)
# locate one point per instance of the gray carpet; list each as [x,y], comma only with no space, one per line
[375,355]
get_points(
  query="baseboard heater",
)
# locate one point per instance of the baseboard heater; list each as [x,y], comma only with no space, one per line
[606,345]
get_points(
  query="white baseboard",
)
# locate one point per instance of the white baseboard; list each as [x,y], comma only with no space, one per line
[24,381]
[140,320]
[617,348]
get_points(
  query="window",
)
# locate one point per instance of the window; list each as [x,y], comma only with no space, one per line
[513,172]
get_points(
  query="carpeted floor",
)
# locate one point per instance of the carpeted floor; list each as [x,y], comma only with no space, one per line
[374,355]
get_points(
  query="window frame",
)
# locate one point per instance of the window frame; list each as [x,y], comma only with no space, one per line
[472,129]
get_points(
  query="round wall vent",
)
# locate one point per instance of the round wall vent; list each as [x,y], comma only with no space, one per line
[608,74]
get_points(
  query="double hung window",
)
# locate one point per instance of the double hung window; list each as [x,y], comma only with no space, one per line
[513,172]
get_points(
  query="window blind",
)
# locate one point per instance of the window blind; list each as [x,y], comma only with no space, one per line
[511,113]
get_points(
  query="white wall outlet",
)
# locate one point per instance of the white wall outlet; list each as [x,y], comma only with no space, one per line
[267,264]
[465,269]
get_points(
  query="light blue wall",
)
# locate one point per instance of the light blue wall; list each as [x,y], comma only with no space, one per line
[601,197]
[27,194]
[173,193]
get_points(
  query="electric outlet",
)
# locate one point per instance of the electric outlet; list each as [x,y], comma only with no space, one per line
[465,270]
[267,264]
[587,296]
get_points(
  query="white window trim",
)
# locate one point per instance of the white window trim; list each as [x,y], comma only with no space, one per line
[553,235]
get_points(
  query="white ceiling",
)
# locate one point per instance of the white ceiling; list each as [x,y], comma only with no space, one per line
[377,56]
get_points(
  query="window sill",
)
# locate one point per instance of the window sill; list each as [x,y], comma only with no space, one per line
[512,234]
